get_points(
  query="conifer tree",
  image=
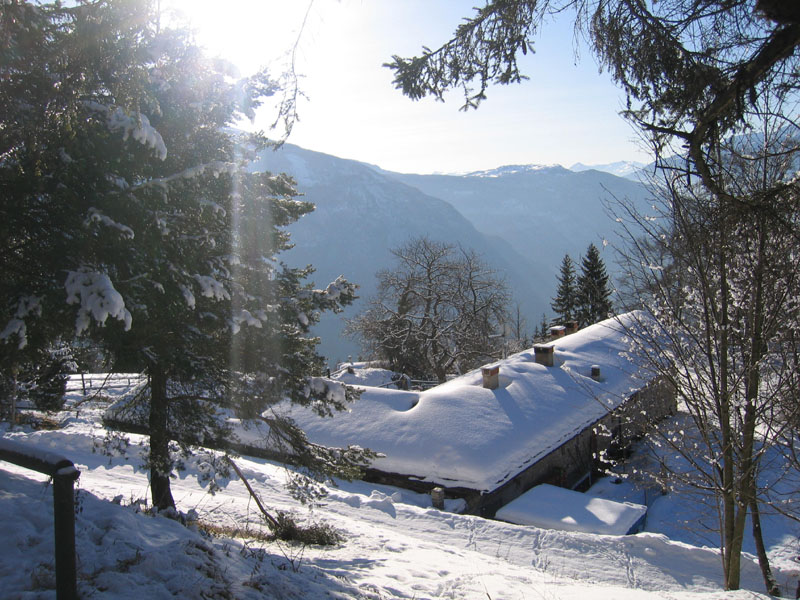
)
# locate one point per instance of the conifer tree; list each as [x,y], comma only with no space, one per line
[48,80]
[593,294]
[565,301]
[129,217]
[544,325]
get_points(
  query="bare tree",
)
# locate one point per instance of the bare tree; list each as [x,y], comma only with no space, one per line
[697,76]
[435,312]
[722,286]
[516,332]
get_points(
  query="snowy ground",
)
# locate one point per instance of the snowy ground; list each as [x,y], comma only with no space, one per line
[396,545]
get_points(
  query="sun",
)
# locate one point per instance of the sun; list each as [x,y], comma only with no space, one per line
[250,34]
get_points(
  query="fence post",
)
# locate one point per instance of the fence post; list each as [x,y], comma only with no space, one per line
[14,397]
[64,526]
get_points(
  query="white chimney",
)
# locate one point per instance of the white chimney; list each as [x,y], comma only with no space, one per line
[491,376]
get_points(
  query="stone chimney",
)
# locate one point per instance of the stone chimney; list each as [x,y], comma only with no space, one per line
[557,332]
[543,354]
[491,376]
[571,326]
[437,498]
[596,372]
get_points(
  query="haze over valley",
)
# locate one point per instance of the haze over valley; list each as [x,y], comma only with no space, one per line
[521,219]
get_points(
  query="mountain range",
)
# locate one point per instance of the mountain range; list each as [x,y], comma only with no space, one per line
[623,168]
[520,219]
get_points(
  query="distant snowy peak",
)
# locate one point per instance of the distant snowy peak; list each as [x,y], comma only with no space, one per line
[622,168]
[513,170]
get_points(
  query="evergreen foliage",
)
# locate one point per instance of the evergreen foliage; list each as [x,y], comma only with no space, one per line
[565,302]
[130,218]
[690,70]
[593,298]
[544,327]
[41,378]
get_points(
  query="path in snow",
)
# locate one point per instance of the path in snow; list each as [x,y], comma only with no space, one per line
[396,549]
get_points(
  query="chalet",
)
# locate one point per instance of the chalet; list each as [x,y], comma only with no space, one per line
[542,416]
[548,415]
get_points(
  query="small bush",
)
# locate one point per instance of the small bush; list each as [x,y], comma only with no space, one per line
[315,534]
[245,533]
[37,421]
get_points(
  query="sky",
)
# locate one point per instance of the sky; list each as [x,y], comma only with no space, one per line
[566,113]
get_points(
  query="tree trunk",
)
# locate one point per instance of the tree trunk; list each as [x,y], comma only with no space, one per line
[14,392]
[763,561]
[732,581]
[730,529]
[753,383]
[160,462]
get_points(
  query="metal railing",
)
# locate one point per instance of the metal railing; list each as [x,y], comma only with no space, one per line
[64,475]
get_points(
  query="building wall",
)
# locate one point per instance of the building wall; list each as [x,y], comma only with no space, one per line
[575,462]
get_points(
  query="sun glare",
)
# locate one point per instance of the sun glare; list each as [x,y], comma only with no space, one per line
[249,33]
[349,108]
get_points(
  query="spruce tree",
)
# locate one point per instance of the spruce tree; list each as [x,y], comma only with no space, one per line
[593,294]
[565,301]
[56,64]
[544,325]
[130,218]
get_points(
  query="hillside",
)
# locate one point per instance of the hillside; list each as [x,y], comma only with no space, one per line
[625,168]
[542,211]
[521,219]
[396,546]
[362,213]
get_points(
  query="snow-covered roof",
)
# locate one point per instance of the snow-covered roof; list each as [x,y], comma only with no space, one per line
[462,434]
[364,375]
[558,508]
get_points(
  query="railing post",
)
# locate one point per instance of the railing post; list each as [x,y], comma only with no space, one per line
[64,523]
[64,475]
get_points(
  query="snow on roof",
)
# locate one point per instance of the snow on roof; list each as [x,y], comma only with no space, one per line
[461,434]
[364,375]
[552,507]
